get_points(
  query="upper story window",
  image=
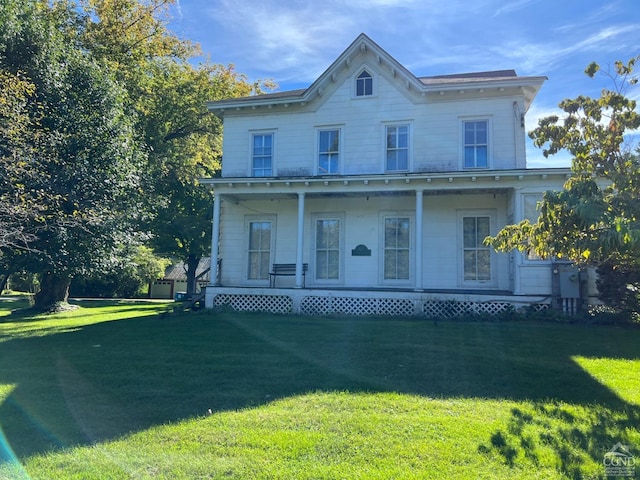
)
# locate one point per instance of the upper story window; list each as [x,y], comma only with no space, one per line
[364,84]
[328,151]
[262,155]
[476,143]
[397,148]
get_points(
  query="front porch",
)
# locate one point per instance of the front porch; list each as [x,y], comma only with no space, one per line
[370,302]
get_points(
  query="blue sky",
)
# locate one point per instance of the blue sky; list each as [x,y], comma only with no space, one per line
[292,42]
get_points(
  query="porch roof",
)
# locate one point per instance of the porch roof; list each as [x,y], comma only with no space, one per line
[430,183]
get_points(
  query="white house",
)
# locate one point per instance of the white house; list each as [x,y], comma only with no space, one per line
[379,187]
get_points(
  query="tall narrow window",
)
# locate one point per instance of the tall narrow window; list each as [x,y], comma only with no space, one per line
[259,250]
[476,255]
[476,144]
[328,249]
[364,84]
[397,148]
[328,151]
[262,155]
[397,235]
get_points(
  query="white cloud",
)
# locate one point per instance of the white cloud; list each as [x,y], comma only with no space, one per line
[597,17]
[536,56]
[284,40]
[177,7]
[513,6]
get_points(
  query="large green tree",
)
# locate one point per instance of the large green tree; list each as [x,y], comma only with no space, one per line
[87,163]
[169,94]
[185,141]
[16,147]
[109,77]
[18,207]
[595,220]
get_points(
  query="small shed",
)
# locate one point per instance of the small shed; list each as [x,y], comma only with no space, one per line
[175,279]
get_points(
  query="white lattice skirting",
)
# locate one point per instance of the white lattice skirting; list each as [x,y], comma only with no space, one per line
[369,306]
[356,306]
[255,303]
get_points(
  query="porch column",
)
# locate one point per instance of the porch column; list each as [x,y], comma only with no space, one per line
[419,240]
[518,213]
[299,252]
[215,235]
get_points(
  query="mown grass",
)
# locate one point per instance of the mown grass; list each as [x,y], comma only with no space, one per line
[121,390]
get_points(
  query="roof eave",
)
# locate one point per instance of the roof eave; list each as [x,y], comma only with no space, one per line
[531,86]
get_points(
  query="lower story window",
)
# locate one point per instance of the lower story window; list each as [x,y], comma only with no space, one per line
[327,249]
[259,250]
[476,255]
[397,244]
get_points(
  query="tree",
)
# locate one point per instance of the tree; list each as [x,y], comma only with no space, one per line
[15,146]
[17,206]
[186,144]
[87,163]
[595,220]
[135,268]
[169,93]
[113,88]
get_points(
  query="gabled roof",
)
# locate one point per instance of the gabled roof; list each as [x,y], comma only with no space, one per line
[177,271]
[420,85]
[469,77]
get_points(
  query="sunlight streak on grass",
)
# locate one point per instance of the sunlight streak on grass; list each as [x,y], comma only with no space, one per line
[19,326]
[5,390]
[622,376]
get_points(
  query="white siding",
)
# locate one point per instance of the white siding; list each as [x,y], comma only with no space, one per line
[435,119]
[535,278]
[436,128]
[441,248]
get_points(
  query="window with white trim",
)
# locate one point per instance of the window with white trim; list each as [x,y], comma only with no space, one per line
[262,155]
[259,248]
[397,148]
[475,135]
[397,248]
[328,243]
[477,256]
[328,151]
[364,84]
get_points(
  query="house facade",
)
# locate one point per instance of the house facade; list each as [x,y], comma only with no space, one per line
[376,188]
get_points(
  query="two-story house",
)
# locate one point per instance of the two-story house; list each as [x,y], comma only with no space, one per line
[377,188]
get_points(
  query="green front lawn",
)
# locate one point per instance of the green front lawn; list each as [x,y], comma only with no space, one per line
[123,390]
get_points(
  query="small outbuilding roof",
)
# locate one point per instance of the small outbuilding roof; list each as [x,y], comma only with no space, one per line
[177,271]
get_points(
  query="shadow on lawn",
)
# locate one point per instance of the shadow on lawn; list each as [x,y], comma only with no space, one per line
[554,431]
[105,380]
